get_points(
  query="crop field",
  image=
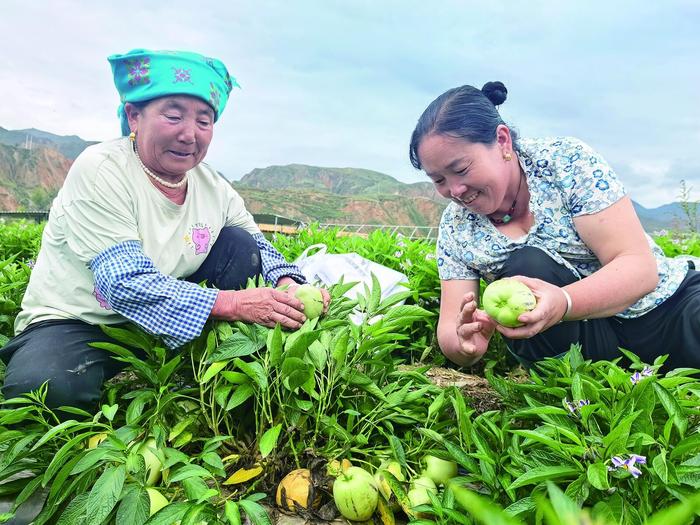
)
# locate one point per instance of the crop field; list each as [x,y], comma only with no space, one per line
[248,424]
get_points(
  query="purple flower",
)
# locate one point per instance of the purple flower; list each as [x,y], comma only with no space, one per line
[628,464]
[641,460]
[574,406]
[638,376]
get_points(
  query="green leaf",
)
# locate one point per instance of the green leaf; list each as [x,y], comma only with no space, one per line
[268,441]
[672,407]
[253,370]
[238,345]
[481,508]
[168,368]
[110,411]
[189,471]
[169,514]
[75,511]
[597,475]
[660,466]
[133,338]
[233,514]
[398,450]
[105,494]
[53,431]
[134,507]
[539,474]
[298,342]
[240,395]
[255,512]
[214,368]
[318,355]
[295,372]
[616,441]
[274,349]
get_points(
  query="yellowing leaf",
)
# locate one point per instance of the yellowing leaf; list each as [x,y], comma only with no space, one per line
[243,474]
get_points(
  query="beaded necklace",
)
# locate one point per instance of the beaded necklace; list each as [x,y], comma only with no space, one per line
[173,185]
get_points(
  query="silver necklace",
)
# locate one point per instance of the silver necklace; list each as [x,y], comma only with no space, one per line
[173,185]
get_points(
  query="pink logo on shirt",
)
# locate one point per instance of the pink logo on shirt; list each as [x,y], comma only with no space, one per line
[201,238]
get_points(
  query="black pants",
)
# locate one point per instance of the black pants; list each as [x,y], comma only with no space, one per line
[58,351]
[671,328]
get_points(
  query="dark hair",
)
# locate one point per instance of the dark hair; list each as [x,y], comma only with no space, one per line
[464,112]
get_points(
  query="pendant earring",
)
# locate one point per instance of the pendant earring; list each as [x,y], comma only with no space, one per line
[132,136]
[507,156]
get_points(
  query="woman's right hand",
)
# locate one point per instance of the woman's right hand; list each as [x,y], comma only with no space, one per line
[474,328]
[265,306]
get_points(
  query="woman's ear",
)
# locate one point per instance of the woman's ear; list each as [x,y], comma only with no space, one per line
[132,115]
[503,137]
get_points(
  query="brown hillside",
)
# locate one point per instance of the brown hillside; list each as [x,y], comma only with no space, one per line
[30,178]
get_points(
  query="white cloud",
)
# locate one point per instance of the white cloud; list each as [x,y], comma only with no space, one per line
[340,83]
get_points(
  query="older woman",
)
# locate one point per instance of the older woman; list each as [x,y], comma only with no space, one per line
[553,214]
[134,217]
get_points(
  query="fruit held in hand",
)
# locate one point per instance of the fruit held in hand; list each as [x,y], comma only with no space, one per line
[296,488]
[504,300]
[439,470]
[312,299]
[355,494]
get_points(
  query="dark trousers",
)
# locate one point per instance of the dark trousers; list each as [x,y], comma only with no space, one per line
[671,328]
[58,351]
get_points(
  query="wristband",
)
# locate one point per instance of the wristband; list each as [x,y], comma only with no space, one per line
[568,305]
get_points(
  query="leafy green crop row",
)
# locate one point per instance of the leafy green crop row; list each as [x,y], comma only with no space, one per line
[232,412]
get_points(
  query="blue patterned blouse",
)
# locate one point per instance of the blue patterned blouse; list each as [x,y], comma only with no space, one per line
[566,179]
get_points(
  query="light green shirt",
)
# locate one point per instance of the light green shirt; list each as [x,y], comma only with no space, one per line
[107,199]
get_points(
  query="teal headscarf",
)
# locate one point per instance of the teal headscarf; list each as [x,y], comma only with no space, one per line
[142,75]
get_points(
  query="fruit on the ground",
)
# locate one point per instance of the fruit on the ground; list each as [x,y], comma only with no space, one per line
[96,439]
[312,299]
[439,470]
[504,300]
[420,487]
[395,468]
[418,496]
[154,465]
[423,482]
[297,488]
[355,494]
[158,501]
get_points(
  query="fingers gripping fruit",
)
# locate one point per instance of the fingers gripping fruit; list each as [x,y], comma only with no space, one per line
[504,300]
[312,299]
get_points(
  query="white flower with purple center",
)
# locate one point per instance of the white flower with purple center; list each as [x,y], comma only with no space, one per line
[638,376]
[618,463]
[575,406]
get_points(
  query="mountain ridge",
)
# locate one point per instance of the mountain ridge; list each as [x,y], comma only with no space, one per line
[30,178]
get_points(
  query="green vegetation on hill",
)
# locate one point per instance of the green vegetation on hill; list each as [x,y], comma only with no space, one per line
[340,181]
[69,146]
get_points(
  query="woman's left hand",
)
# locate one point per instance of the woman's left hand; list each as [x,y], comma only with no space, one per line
[289,285]
[551,306]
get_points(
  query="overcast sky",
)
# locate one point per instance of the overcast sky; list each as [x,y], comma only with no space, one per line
[342,83]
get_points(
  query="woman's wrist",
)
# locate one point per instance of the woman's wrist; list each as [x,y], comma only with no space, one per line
[224,305]
[569,306]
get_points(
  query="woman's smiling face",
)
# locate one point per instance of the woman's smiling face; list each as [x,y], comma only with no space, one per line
[473,174]
[172,133]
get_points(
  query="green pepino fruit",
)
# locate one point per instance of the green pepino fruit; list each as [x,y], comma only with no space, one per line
[312,299]
[504,300]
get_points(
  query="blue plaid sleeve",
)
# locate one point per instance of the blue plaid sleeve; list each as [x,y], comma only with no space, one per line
[164,306]
[274,265]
